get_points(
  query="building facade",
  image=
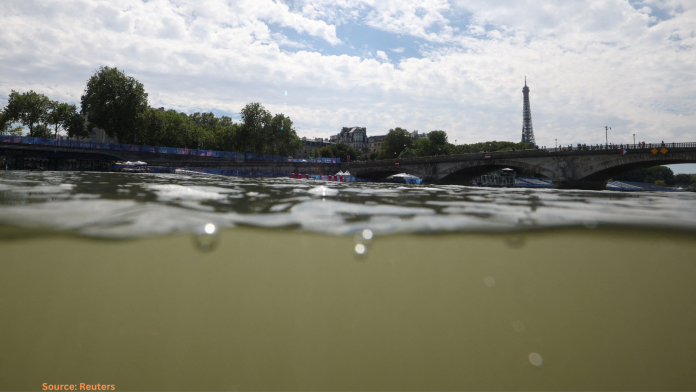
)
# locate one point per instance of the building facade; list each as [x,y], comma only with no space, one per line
[308,145]
[415,135]
[375,142]
[355,137]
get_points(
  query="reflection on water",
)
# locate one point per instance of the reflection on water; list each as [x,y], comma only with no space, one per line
[119,205]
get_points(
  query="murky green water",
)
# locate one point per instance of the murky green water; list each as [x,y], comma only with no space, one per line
[110,278]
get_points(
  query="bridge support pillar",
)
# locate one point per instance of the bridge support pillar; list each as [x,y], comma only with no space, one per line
[586,185]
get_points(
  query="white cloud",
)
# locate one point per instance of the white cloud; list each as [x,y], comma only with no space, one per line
[588,63]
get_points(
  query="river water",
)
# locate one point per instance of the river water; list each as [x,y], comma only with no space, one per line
[173,282]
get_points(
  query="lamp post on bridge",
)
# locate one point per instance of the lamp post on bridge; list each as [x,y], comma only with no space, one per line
[606,135]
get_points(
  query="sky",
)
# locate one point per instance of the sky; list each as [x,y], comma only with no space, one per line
[457,65]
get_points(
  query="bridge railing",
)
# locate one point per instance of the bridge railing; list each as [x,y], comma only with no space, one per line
[158,150]
[613,146]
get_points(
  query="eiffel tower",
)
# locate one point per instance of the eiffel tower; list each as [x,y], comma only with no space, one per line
[527,131]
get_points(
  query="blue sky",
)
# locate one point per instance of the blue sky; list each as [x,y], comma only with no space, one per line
[456,65]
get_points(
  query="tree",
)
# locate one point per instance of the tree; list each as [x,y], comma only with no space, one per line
[342,150]
[115,103]
[408,153]
[16,131]
[438,138]
[396,140]
[325,152]
[5,122]
[75,125]
[60,115]
[28,108]
[282,137]
[255,121]
[682,179]
[649,175]
[42,130]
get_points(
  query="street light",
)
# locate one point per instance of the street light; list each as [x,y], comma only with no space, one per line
[606,134]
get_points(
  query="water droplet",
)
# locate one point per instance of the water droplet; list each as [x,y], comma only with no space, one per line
[489,281]
[367,234]
[535,359]
[206,237]
[590,223]
[360,249]
[515,241]
[518,326]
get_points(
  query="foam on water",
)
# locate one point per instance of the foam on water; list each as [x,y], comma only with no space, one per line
[117,205]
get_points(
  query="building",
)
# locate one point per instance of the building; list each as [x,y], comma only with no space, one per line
[415,135]
[355,137]
[309,145]
[375,142]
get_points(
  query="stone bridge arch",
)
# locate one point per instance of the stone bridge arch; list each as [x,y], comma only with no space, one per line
[464,172]
[610,168]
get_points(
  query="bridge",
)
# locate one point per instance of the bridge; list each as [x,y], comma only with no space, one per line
[581,167]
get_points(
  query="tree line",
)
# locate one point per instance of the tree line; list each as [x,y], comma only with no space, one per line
[658,175]
[398,143]
[118,104]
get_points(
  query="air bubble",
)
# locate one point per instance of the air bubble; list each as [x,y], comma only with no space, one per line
[590,223]
[489,281]
[206,237]
[535,359]
[367,235]
[515,241]
[518,326]
[360,249]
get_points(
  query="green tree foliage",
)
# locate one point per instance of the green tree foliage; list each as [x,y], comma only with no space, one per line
[76,126]
[408,153]
[325,152]
[29,108]
[16,131]
[649,175]
[342,150]
[682,179]
[219,133]
[280,137]
[115,103]
[5,123]
[254,128]
[59,116]
[489,146]
[42,130]
[394,143]
[660,182]
[438,138]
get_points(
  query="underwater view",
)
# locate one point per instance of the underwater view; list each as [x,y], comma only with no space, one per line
[202,282]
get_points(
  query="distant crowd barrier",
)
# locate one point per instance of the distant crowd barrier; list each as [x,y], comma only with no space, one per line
[159,150]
